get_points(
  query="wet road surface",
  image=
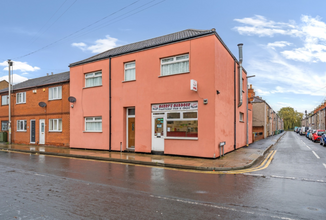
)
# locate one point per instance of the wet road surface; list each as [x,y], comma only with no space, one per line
[44,187]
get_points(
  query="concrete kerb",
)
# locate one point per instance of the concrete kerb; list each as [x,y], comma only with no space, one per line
[157,164]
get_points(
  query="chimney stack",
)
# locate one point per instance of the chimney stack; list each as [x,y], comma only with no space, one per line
[47,74]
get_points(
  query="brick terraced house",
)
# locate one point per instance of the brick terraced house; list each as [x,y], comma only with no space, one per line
[31,123]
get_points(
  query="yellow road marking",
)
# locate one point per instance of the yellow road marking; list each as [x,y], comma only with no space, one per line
[260,167]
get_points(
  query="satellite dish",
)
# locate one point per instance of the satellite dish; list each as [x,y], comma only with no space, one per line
[42,104]
[72,99]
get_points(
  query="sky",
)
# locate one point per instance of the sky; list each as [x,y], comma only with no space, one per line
[284,41]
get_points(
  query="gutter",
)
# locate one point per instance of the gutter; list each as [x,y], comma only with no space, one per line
[110,98]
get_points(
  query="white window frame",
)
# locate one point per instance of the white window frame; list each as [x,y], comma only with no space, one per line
[24,125]
[22,100]
[241,119]
[87,121]
[59,96]
[179,119]
[7,125]
[129,68]
[57,129]
[92,75]
[174,61]
[6,97]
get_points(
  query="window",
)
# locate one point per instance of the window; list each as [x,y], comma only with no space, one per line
[55,93]
[21,97]
[4,125]
[93,79]
[241,116]
[182,124]
[130,71]
[55,124]
[93,124]
[21,125]
[175,65]
[5,100]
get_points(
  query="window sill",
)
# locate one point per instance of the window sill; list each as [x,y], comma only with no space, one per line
[54,99]
[21,131]
[5,105]
[241,121]
[174,74]
[55,131]
[181,138]
[92,131]
[128,81]
[20,103]
[92,87]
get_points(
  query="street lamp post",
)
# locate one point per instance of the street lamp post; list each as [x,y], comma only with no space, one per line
[9,94]
[247,140]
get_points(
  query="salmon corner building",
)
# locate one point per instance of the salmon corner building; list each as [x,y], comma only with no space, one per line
[179,94]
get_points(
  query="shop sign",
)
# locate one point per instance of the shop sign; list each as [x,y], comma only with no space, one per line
[193,85]
[176,106]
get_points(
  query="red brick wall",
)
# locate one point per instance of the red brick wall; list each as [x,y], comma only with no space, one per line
[55,109]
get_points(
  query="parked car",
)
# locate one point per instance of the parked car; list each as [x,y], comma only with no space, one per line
[298,131]
[295,129]
[323,140]
[303,130]
[310,134]
[317,135]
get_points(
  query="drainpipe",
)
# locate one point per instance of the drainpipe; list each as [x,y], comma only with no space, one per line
[110,104]
[235,107]
[9,93]
[240,74]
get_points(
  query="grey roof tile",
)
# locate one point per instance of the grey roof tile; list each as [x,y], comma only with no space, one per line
[158,41]
[45,80]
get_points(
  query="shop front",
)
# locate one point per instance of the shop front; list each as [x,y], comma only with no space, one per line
[173,121]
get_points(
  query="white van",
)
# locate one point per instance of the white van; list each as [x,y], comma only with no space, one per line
[303,131]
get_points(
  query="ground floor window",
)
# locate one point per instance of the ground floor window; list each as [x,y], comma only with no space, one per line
[4,125]
[55,124]
[181,119]
[21,125]
[241,115]
[93,124]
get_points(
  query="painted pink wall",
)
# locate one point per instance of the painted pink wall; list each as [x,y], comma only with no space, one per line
[210,64]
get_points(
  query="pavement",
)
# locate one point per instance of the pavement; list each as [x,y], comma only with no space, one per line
[241,158]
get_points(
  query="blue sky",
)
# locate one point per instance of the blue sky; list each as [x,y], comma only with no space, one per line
[284,41]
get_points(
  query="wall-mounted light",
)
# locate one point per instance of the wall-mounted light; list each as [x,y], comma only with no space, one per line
[205,101]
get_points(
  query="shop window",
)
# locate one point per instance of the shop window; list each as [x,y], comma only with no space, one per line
[5,100]
[55,93]
[21,125]
[182,126]
[175,65]
[55,124]
[93,79]
[130,71]
[93,124]
[21,97]
[173,115]
[4,125]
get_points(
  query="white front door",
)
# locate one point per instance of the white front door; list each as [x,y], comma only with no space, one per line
[158,132]
[42,131]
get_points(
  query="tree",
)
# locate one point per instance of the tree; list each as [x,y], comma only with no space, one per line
[290,117]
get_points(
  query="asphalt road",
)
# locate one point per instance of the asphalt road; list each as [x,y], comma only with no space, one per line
[44,187]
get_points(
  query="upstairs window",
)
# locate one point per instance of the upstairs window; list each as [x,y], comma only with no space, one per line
[21,97]
[130,71]
[21,125]
[93,79]
[5,100]
[175,65]
[55,93]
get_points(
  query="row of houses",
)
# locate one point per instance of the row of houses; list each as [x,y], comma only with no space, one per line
[316,119]
[178,94]
[265,121]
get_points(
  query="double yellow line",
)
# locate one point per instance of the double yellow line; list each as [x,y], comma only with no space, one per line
[262,166]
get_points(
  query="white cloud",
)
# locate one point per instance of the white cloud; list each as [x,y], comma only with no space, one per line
[312,32]
[22,66]
[24,73]
[100,45]
[16,78]
[278,44]
[260,92]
